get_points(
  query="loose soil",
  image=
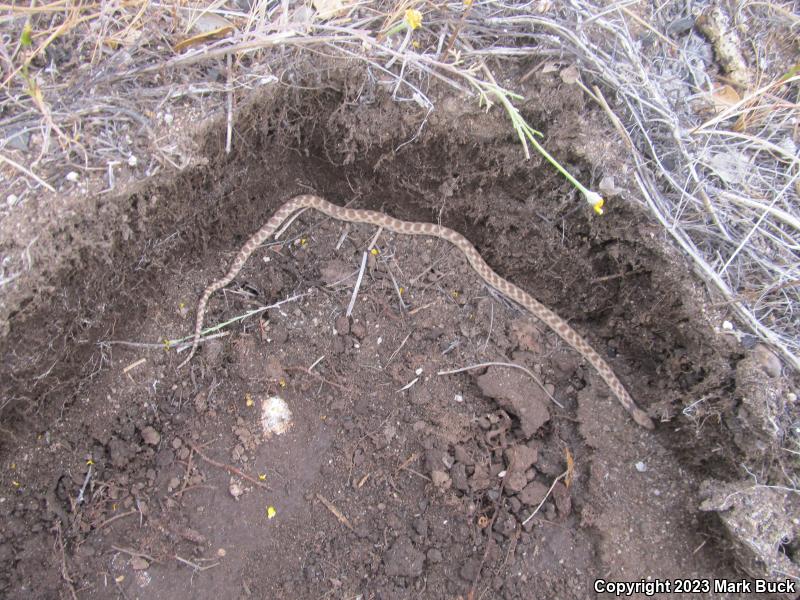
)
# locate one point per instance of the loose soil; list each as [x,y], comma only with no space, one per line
[122,476]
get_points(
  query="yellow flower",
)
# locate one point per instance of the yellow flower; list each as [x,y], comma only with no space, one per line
[413,18]
[271,512]
[262,476]
[595,200]
[374,252]
[282,382]
[248,400]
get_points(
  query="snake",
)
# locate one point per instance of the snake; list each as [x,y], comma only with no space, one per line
[478,264]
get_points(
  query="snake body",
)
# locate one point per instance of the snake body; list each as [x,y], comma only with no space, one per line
[378,219]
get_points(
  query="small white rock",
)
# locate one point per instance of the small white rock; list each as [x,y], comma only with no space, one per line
[641,467]
[276,418]
[458,398]
[132,161]
[168,119]
[727,326]
[72,177]
[11,200]
[235,490]
[418,371]
[150,436]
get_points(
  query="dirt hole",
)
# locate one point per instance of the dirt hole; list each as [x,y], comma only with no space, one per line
[392,481]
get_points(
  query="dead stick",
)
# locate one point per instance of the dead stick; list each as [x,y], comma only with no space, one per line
[135,553]
[336,512]
[229,468]
[192,487]
[319,377]
[64,572]
[188,472]
[114,518]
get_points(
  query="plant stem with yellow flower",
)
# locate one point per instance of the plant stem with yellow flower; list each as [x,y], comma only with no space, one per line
[527,134]
[411,20]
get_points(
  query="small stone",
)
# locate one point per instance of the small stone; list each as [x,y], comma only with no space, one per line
[458,475]
[515,481]
[201,402]
[562,499]
[520,458]
[342,325]
[235,490]
[193,536]
[768,361]
[358,329]
[533,493]
[177,443]
[480,479]
[434,556]
[150,436]
[139,564]
[462,455]
[641,467]
[441,480]
[421,526]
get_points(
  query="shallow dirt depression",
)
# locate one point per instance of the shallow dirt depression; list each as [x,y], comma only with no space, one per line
[392,481]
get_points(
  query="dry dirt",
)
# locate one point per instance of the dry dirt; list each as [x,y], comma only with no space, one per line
[392,481]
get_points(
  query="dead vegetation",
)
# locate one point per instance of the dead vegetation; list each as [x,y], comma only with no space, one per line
[93,88]
[705,102]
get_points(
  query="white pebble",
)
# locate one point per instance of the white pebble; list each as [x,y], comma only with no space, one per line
[458,398]
[72,176]
[727,326]
[641,467]
[132,161]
